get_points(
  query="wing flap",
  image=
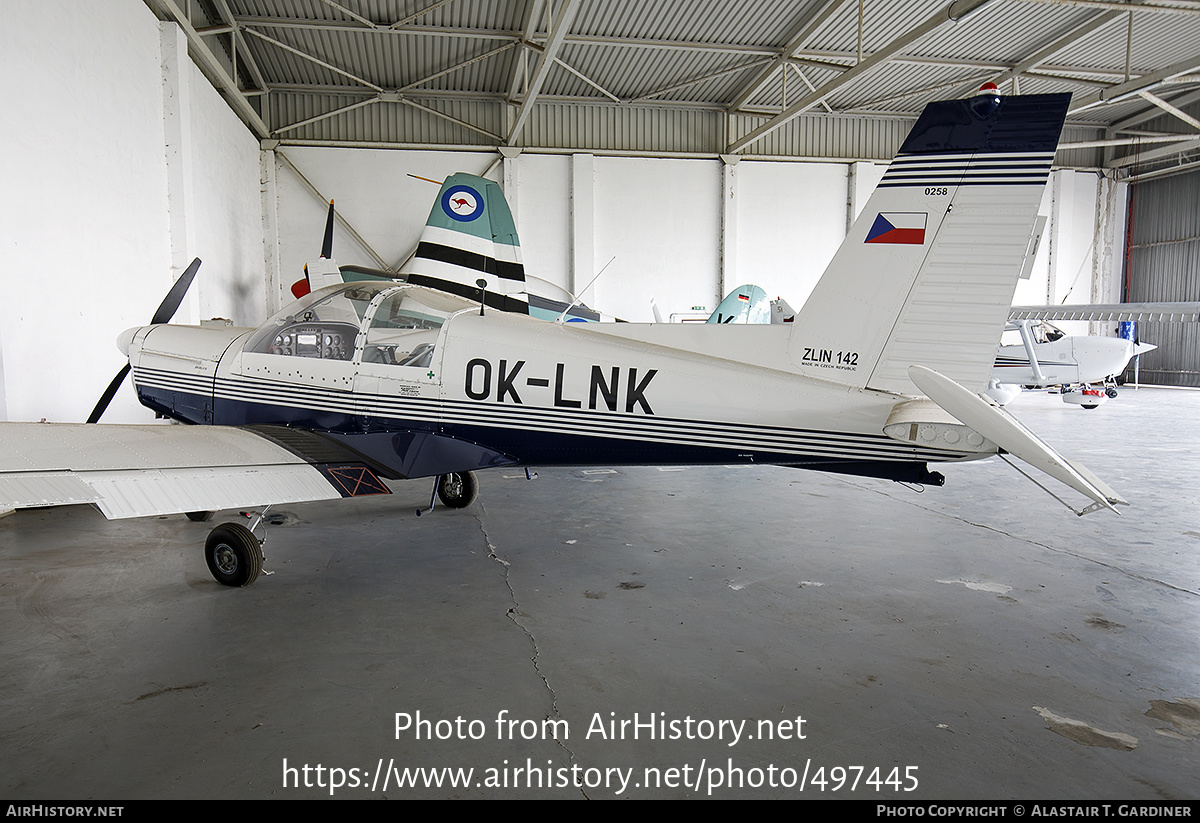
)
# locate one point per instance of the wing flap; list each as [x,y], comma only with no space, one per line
[169,491]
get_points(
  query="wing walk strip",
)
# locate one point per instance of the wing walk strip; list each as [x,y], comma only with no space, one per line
[728,436]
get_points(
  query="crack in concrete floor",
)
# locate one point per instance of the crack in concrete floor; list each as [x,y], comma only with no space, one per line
[513,614]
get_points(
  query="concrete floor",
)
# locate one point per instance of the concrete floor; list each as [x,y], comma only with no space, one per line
[979,633]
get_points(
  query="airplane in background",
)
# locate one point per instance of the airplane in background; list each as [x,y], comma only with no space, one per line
[362,382]
[1084,367]
[470,235]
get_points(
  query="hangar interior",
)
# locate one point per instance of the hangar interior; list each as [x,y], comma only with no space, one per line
[688,148]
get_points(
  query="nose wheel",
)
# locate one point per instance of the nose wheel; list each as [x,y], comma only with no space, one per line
[457,490]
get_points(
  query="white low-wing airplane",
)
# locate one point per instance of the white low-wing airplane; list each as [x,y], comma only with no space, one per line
[362,382]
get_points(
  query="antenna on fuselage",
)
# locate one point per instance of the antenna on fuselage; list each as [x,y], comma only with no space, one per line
[482,293]
[575,302]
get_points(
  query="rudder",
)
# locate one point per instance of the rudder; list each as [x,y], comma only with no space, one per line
[927,271]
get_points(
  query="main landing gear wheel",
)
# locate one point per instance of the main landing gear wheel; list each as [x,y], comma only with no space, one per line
[458,490]
[233,554]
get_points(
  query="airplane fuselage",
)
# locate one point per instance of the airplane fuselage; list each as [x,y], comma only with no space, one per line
[1068,360]
[505,389]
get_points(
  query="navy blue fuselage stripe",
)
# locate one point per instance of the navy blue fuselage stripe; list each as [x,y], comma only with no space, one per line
[346,402]
[436,416]
[585,448]
[919,183]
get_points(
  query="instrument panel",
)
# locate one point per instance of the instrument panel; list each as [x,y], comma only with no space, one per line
[325,341]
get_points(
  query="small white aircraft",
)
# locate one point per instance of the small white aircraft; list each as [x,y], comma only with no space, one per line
[1084,366]
[361,382]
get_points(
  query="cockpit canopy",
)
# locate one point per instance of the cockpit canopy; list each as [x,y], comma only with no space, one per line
[1040,331]
[374,322]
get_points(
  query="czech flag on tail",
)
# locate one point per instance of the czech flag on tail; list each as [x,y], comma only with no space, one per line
[901,227]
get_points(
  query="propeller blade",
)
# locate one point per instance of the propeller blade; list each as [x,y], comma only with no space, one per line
[327,244]
[166,309]
[107,397]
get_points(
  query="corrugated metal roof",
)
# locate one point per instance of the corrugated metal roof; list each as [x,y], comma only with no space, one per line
[657,74]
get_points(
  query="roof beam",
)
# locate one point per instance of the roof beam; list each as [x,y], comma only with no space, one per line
[239,43]
[449,118]
[804,79]
[348,13]
[747,92]
[419,12]
[1046,52]
[1130,88]
[306,56]
[334,113]
[1150,113]
[1169,109]
[555,36]
[707,76]
[520,70]
[1140,6]
[460,65]
[1185,143]
[951,13]
[587,80]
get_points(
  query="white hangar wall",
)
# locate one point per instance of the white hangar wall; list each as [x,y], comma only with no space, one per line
[122,164]
[681,231]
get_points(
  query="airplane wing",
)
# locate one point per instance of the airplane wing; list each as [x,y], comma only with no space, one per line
[1141,312]
[136,471]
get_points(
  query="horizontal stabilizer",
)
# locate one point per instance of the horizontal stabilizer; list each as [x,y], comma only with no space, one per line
[1007,432]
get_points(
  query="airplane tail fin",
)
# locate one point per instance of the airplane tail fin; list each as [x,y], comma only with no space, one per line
[927,272]
[745,304]
[470,235]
